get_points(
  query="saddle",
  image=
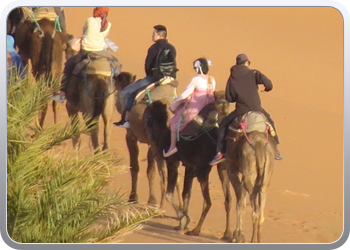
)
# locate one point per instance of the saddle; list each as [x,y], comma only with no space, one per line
[100,63]
[204,121]
[249,122]
[45,12]
[164,88]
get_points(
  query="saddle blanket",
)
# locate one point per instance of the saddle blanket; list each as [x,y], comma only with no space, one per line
[98,63]
[251,121]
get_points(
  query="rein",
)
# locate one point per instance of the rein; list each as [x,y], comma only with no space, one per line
[206,131]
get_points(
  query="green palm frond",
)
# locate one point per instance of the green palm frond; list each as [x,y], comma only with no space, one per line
[56,196]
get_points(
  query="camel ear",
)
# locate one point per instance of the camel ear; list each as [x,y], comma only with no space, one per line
[134,78]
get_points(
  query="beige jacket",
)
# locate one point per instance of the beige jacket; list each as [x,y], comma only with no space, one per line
[93,39]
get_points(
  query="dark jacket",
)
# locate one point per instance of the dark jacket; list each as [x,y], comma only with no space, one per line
[242,88]
[153,53]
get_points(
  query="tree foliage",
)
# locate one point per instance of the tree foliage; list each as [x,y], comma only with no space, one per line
[56,196]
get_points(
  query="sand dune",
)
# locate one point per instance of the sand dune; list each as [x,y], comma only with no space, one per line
[301,50]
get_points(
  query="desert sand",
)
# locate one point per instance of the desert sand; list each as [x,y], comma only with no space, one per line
[301,50]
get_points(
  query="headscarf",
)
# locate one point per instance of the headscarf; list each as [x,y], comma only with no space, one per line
[103,13]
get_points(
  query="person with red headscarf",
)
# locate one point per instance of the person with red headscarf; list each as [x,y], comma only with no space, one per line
[96,29]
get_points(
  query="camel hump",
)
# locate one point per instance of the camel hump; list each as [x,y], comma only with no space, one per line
[251,121]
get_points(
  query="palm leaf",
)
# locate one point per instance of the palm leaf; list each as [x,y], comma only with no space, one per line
[56,196]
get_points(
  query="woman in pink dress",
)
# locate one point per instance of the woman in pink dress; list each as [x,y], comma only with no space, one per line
[198,93]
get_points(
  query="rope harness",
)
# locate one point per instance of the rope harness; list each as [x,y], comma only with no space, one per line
[38,28]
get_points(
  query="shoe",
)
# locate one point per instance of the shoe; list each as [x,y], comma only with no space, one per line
[58,98]
[278,156]
[169,153]
[122,124]
[217,159]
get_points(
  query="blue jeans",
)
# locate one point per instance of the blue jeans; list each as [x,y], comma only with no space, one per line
[132,89]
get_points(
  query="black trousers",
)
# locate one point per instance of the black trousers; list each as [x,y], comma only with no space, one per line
[225,123]
[69,67]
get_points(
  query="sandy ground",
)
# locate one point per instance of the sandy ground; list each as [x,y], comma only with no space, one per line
[301,50]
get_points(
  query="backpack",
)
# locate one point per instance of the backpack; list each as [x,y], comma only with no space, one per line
[165,64]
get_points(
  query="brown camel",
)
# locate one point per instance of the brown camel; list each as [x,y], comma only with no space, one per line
[91,92]
[250,162]
[195,155]
[42,44]
[137,133]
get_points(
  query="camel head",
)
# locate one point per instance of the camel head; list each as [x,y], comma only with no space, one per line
[123,79]
[156,119]
[70,48]
[157,113]
[221,105]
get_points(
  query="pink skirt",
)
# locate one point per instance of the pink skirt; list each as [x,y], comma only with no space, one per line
[185,114]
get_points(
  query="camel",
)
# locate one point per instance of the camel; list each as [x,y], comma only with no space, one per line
[42,44]
[195,155]
[250,161]
[137,134]
[91,92]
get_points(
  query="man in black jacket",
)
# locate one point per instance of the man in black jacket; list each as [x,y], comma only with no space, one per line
[129,93]
[242,88]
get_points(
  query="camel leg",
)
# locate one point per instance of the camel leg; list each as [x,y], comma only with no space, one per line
[73,114]
[54,110]
[93,132]
[94,138]
[151,175]
[262,198]
[107,119]
[163,176]
[178,191]
[42,116]
[250,179]
[131,142]
[259,202]
[204,183]
[223,175]
[254,197]
[240,192]
[186,195]
[173,181]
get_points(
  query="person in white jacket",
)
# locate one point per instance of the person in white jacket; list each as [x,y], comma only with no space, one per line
[96,29]
[197,94]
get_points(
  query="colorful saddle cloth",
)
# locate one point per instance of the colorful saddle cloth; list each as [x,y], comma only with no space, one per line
[101,63]
[252,121]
